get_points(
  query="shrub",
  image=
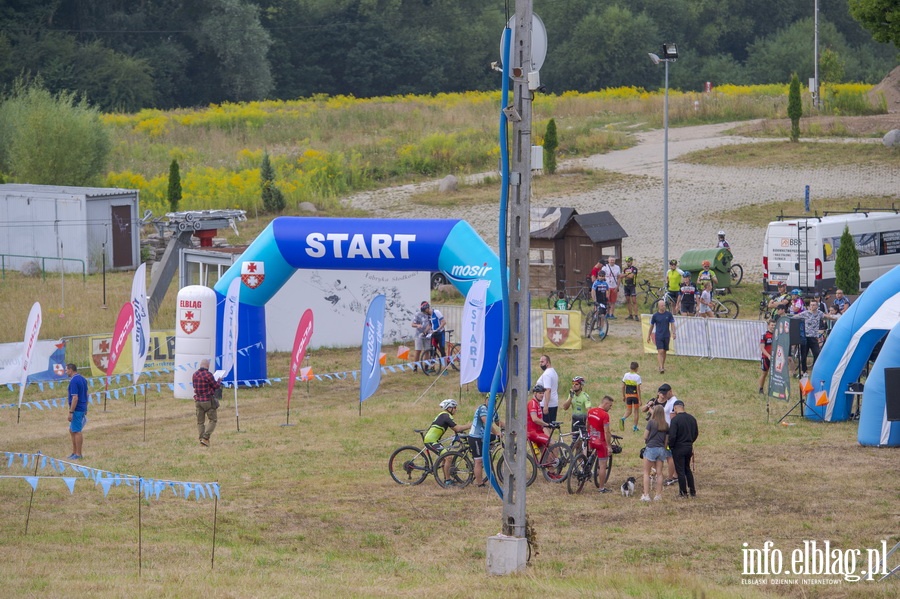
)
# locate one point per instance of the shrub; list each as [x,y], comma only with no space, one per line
[550,145]
[273,199]
[795,107]
[846,265]
[174,192]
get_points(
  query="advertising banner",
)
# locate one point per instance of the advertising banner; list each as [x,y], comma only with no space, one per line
[32,330]
[140,337]
[780,370]
[160,355]
[373,330]
[472,333]
[301,342]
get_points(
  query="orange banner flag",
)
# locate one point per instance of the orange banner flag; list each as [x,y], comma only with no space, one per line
[403,353]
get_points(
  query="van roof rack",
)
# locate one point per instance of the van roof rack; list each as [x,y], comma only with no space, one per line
[860,210]
[783,216]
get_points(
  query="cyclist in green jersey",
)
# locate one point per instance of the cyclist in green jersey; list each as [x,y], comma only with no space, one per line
[580,402]
[673,280]
[438,427]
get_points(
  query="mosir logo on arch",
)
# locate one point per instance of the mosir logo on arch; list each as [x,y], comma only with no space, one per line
[470,271]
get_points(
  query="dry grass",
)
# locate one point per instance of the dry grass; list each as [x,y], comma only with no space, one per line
[807,155]
[760,215]
[310,510]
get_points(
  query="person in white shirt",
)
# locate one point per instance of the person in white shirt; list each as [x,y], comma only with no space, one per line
[550,381]
[612,272]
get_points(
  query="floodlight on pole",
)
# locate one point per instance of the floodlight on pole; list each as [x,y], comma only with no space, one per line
[669,54]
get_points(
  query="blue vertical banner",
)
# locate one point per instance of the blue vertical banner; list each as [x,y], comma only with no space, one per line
[806,199]
[370,366]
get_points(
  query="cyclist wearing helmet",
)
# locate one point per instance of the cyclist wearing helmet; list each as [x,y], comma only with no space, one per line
[706,275]
[580,402]
[687,296]
[536,424]
[673,281]
[422,324]
[476,438]
[722,243]
[440,425]
[629,277]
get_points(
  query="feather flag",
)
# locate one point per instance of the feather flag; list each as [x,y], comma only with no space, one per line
[373,330]
[140,340]
[472,342]
[301,342]
[32,330]
[230,326]
[124,325]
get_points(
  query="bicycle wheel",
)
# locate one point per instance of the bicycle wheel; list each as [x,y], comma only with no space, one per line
[502,471]
[429,363]
[727,309]
[737,274]
[578,475]
[556,468]
[454,356]
[409,465]
[599,329]
[458,474]
[551,300]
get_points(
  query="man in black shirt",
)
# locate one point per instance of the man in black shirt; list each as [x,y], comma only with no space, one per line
[682,434]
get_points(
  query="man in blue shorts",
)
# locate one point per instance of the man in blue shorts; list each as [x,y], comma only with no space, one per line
[663,324]
[78,405]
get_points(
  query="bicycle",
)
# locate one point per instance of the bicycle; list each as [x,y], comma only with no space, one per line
[737,273]
[724,308]
[596,325]
[653,295]
[553,460]
[574,301]
[434,360]
[410,465]
[765,312]
[585,466]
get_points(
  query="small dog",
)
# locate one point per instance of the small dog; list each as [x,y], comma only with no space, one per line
[628,487]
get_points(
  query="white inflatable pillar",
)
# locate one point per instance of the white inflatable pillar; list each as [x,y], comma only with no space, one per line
[195,335]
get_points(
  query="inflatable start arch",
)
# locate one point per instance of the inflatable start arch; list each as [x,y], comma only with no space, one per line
[292,243]
[845,354]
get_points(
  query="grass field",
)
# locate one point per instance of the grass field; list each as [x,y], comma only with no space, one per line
[310,510]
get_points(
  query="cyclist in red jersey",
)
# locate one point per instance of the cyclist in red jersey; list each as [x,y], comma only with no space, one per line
[536,424]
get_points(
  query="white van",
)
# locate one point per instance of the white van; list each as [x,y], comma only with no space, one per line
[802,251]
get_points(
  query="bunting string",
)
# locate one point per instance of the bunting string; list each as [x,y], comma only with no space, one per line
[152,488]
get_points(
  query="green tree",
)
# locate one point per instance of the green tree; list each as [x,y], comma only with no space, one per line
[174,192]
[846,265]
[795,107]
[51,139]
[880,17]
[551,143]
[273,199]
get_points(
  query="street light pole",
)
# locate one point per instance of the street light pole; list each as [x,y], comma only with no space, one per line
[669,54]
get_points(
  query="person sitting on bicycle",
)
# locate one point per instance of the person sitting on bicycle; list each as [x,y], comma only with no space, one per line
[536,425]
[580,402]
[673,282]
[477,436]
[438,325]
[600,437]
[440,425]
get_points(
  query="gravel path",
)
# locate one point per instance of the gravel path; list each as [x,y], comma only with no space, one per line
[696,195]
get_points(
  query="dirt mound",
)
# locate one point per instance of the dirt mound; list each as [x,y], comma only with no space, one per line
[890,88]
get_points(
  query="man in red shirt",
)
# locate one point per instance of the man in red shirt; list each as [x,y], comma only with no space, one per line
[599,435]
[765,348]
[536,425]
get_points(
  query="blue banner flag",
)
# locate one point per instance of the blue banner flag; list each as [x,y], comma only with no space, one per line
[370,368]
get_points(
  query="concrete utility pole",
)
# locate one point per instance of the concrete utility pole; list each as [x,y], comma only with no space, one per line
[509,554]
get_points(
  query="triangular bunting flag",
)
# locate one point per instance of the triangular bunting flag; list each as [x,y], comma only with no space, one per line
[106,483]
[70,482]
[33,481]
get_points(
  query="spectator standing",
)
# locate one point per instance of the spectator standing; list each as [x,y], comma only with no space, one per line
[438,324]
[673,281]
[687,296]
[662,325]
[549,380]
[655,451]
[422,324]
[205,385]
[631,395]
[841,303]
[706,275]
[629,287]
[765,349]
[682,434]
[600,437]
[812,322]
[78,406]
[580,402]
[612,273]
[706,307]
[722,243]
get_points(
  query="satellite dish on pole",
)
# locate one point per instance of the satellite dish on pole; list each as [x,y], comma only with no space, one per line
[538,42]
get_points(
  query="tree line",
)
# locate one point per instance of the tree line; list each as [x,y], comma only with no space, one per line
[122,55]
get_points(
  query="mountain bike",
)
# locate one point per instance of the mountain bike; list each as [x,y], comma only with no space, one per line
[585,465]
[724,308]
[653,294]
[737,273]
[410,465]
[596,325]
[552,460]
[435,361]
[577,298]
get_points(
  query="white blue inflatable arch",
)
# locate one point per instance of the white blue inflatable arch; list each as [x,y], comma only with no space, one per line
[291,243]
[875,314]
